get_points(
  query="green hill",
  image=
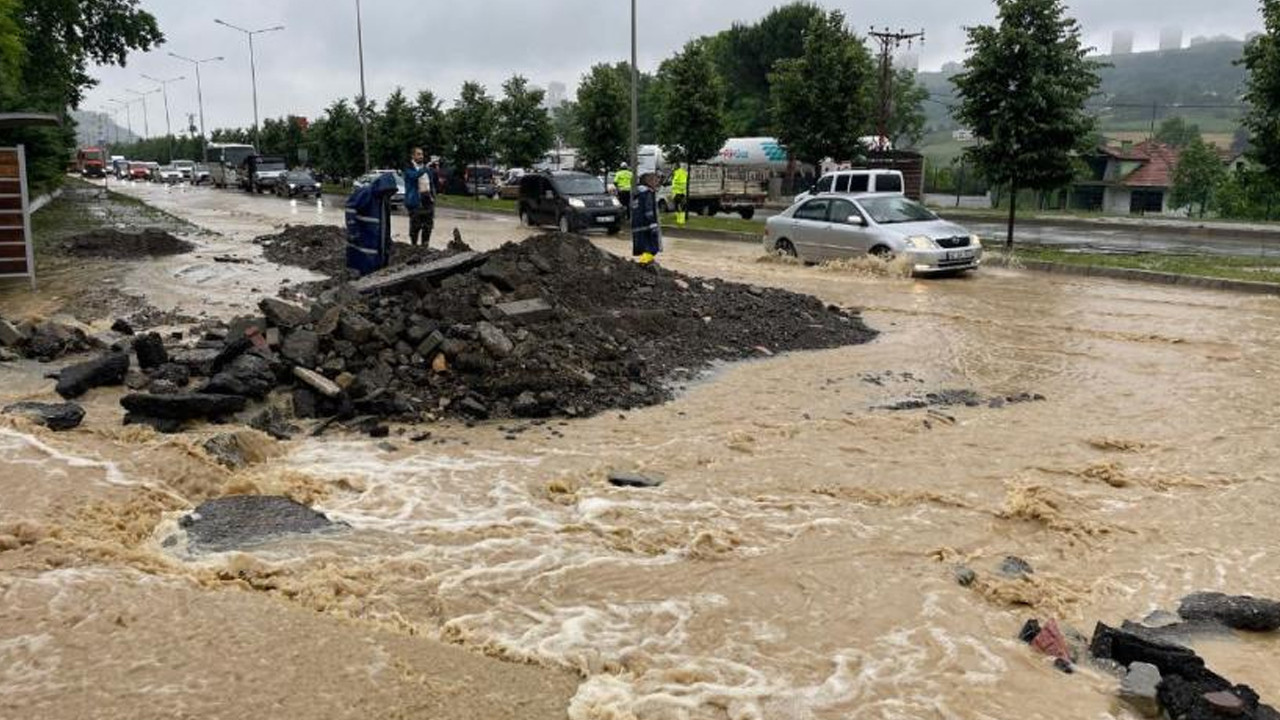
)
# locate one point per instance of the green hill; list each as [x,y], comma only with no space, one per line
[1195,83]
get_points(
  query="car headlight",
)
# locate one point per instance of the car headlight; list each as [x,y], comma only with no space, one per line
[575,202]
[292,186]
[975,241]
[615,202]
[920,242]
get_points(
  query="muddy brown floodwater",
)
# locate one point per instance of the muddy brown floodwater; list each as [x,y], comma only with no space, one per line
[797,562]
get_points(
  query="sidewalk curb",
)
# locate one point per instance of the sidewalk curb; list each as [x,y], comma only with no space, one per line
[1149,276]
[40,202]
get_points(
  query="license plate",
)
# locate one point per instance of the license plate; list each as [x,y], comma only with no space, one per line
[605,219]
[959,254]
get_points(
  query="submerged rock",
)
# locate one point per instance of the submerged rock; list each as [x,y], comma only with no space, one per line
[634,480]
[55,416]
[183,406]
[76,380]
[1139,688]
[234,522]
[1241,612]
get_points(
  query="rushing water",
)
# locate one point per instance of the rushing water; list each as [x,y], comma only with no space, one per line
[797,562]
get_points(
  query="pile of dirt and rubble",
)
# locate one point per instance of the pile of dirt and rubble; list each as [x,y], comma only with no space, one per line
[552,326]
[322,249]
[112,244]
[43,340]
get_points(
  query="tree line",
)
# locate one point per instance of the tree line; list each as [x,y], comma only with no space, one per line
[799,74]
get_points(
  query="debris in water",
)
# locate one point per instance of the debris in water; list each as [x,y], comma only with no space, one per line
[1241,612]
[1139,688]
[231,523]
[634,480]
[1015,567]
[55,416]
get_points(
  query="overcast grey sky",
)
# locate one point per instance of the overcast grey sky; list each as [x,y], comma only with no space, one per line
[438,44]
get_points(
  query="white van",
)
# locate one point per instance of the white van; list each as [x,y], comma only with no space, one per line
[857,181]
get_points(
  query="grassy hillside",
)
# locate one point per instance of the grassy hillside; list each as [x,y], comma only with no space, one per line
[1177,82]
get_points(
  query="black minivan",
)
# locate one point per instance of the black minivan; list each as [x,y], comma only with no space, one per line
[573,201]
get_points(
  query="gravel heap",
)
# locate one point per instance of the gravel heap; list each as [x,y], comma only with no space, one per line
[322,249]
[552,326]
[112,244]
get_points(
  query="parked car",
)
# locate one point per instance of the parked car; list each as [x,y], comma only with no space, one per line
[573,201]
[509,188]
[397,200]
[478,180]
[856,181]
[831,227]
[298,183]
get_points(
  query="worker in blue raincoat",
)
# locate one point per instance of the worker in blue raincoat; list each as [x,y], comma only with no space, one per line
[646,231]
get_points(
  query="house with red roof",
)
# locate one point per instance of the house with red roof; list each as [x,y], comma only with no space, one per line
[1127,180]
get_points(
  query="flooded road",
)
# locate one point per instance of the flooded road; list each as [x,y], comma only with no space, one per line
[797,562]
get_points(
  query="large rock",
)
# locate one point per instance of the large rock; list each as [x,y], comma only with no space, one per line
[354,328]
[55,416]
[302,347]
[248,375]
[1139,688]
[494,340]
[284,314]
[1126,648]
[235,522]
[1186,700]
[184,406]
[1240,612]
[76,380]
[150,351]
[10,336]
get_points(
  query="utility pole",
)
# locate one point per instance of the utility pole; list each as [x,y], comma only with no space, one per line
[364,121]
[635,97]
[128,117]
[199,92]
[889,41]
[253,70]
[146,126]
[168,125]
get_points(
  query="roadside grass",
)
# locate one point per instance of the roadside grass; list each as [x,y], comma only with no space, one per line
[84,207]
[1210,266]
[464,202]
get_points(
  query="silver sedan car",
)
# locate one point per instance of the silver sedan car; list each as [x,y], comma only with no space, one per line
[830,227]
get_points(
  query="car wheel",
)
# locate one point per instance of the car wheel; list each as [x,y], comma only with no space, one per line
[747,213]
[881,251]
[784,247]
[525,218]
[566,225]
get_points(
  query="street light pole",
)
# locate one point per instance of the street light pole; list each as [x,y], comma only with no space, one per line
[199,92]
[168,125]
[128,117]
[364,122]
[146,127]
[635,96]
[253,70]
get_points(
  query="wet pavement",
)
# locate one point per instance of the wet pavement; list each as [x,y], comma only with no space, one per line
[796,562]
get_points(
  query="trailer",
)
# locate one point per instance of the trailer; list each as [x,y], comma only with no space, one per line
[714,189]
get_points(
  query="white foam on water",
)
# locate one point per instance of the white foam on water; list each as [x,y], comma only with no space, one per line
[13,442]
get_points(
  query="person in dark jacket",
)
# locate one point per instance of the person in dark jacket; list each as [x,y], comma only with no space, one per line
[420,198]
[646,231]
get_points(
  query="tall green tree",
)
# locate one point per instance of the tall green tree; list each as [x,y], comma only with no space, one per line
[564,121]
[470,123]
[1177,132]
[822,99]
[1022,93]
[429,123]
[603,106]
[1198,172]
[745,56]
[394,132]
[1262,92]
[339,142]
[691,98]
[524,131]
[51,46]
[906,116]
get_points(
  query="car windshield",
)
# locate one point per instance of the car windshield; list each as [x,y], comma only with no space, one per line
[301,177]
[270,165]
[893,210]
[579,185]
